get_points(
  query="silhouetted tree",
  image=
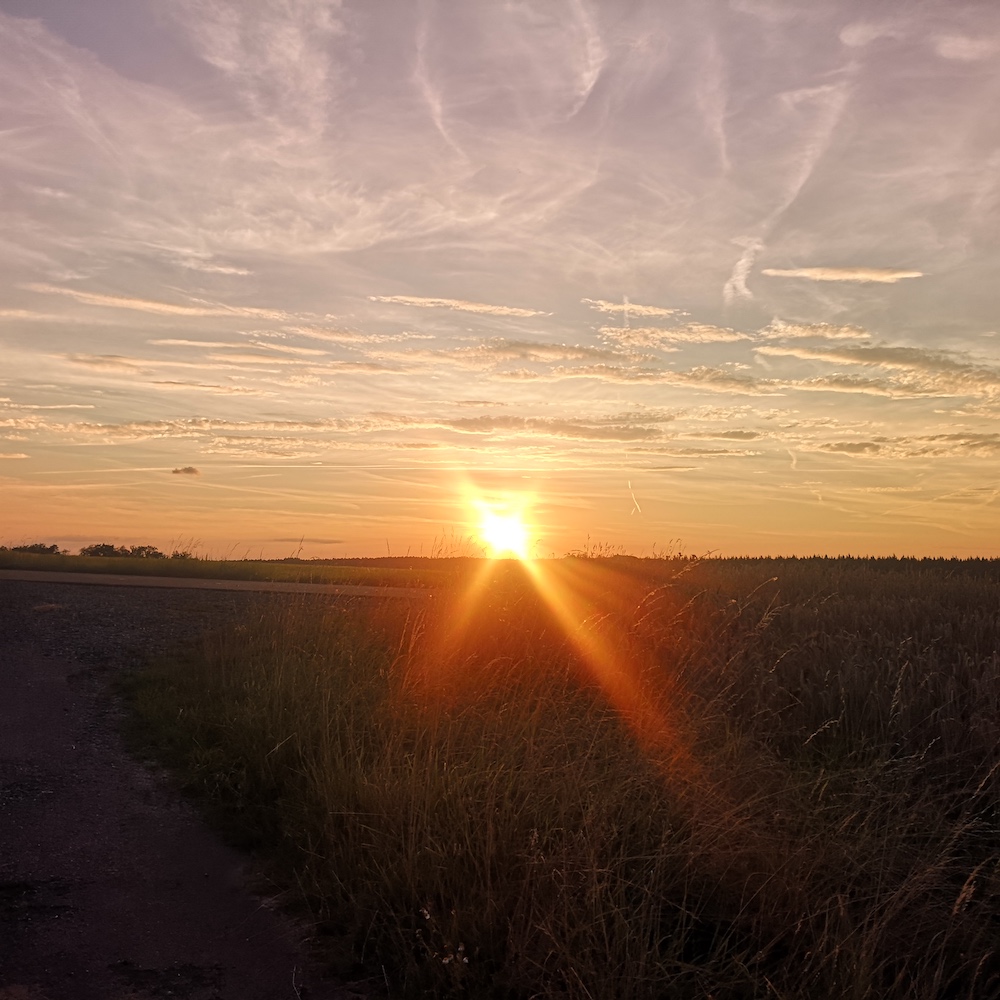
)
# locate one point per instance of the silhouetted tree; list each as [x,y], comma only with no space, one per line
[37,548]
[132,552]
[145,552]
[103,549]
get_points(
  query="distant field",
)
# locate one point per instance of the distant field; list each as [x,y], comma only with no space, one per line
[621,778]
[376,573]
[416,571]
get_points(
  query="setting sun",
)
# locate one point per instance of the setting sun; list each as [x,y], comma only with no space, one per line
[504,534]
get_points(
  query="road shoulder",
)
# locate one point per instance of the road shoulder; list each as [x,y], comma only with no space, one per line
[110,884]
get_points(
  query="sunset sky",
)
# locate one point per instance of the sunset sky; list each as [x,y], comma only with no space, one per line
[304,276]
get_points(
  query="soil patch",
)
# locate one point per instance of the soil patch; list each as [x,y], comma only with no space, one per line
[110,885]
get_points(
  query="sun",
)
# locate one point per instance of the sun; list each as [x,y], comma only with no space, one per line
[505,534]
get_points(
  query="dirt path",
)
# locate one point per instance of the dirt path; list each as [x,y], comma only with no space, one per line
[110,886]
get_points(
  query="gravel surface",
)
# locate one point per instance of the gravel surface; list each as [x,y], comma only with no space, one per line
[111,888]
[115,626]
[49,578]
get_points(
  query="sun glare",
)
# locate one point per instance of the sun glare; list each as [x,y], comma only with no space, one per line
[504,534]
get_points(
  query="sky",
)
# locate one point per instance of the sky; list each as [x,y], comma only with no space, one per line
[328,278]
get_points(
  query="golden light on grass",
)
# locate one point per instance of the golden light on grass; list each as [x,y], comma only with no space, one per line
[582,599]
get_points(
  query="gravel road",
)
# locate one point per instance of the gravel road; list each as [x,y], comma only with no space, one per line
[197,583]
[111,888]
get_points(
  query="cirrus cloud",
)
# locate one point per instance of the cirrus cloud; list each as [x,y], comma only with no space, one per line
[627,308]
[965,49]
[863,275]
[460,305]
[151,306]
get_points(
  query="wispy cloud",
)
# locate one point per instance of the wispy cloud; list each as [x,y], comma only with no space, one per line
[689,333]
[106,362]
[500,349]
[487,355]
[10,404]
[151,306]
[171,342]
[254,359]
[194,427]
[13,454]
[736,287]
[628,309]
[936,372]
[315,435]
[780,330]
[250,447]
[277,55]
[962,444]
[965,48]
[913,358]
[16,424]
[700,378]
[30,315]
[354,337]
[459,305]
[891,388]
[724,435]
[644,337]
[242,345]
[863,275]
[512,425]
[851,447]
[208,267]
[306,352]
[258,364]
[808,118]
[858,34]
[210,387]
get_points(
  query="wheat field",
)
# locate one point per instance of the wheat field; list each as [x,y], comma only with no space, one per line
[626,778]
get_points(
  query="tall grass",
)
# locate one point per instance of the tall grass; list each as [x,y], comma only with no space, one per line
[462,801]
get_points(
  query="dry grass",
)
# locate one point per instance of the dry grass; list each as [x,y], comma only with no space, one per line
[715,783]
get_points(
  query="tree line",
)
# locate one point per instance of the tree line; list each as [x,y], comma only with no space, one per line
[100,549]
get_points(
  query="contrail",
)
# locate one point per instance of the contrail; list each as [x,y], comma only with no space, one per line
[636,507]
